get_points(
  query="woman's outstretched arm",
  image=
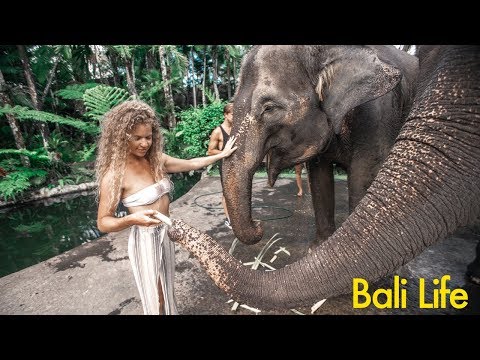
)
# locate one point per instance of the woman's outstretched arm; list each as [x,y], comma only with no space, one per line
[175,165]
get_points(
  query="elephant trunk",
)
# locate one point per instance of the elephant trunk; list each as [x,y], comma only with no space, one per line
[238,195]
[400,216]
[281,288]
[428,187]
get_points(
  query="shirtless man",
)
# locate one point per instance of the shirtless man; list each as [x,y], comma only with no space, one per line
[218,138]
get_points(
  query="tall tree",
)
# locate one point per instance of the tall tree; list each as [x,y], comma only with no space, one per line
[80,54]
[112,55]
[97,60]
[32,90]
[12,121]
[57,51]
[167,88]
[215,71]
[193,77]
[233,55]
[204,82]
[126,54]
[227,61]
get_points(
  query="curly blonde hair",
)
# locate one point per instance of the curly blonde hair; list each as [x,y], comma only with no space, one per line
[117,126]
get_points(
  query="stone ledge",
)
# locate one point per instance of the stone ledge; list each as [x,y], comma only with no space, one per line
[44,193]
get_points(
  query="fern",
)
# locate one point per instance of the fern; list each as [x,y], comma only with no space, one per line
[31,154]
[75,92]
[23,113]
[36,227]
[10,164]
[88,152]
[17,182]
[9,188]
[28,173]
[102,98]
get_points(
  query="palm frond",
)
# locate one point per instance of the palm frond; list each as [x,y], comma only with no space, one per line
[31,154]
[75,92]
[177,57]
[102,98]
[23,113]
[125,51]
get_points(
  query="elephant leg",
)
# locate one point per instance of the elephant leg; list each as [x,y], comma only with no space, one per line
[360,177]
[473,269]
[320,174]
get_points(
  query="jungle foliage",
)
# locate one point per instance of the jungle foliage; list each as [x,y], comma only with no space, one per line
[50,110]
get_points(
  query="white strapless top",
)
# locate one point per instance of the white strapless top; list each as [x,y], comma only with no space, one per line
[149,194]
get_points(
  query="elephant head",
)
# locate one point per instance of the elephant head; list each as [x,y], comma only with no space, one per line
[428,186]
[290,102]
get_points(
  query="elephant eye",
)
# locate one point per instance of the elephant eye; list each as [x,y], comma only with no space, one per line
[269,107]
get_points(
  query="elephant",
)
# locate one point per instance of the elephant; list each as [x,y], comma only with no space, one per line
[320,104]
[428,186]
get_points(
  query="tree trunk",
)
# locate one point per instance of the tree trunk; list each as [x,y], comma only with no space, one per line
[132,73]
[54,107]
[234,75]
[27,70]
[150,63]
[194,87]
[204,102]
[94,61]
[229,85]
[12,121]
[130,79]
[170,106]
[113,64]
[215,72]
[98,57]
[51,76]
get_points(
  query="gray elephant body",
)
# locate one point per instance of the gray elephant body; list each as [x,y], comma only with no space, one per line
[426,189]
[321,104]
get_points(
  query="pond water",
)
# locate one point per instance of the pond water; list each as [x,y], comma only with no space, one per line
[38,231]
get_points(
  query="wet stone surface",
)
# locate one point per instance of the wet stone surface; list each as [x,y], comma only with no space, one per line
[292,219]
[96,278]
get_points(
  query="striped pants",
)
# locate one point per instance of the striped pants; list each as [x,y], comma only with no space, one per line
[152,255]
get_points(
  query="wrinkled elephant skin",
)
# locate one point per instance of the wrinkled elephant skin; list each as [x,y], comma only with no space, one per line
[427,188]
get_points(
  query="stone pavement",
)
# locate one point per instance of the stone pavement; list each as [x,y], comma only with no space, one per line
[96,278]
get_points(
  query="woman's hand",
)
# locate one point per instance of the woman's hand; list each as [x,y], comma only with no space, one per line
[145,218]
[228,150]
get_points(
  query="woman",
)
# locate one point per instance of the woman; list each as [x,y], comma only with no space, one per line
[131,167]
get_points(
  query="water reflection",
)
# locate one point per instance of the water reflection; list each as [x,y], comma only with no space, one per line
[38,231]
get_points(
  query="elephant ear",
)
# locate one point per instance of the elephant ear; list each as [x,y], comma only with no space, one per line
[349,81]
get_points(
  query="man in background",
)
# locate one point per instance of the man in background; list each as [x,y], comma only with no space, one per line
[218,139]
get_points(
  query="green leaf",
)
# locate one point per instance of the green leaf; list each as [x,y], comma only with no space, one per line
[101,99]
[24,113]
[75,92]
[31,154]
